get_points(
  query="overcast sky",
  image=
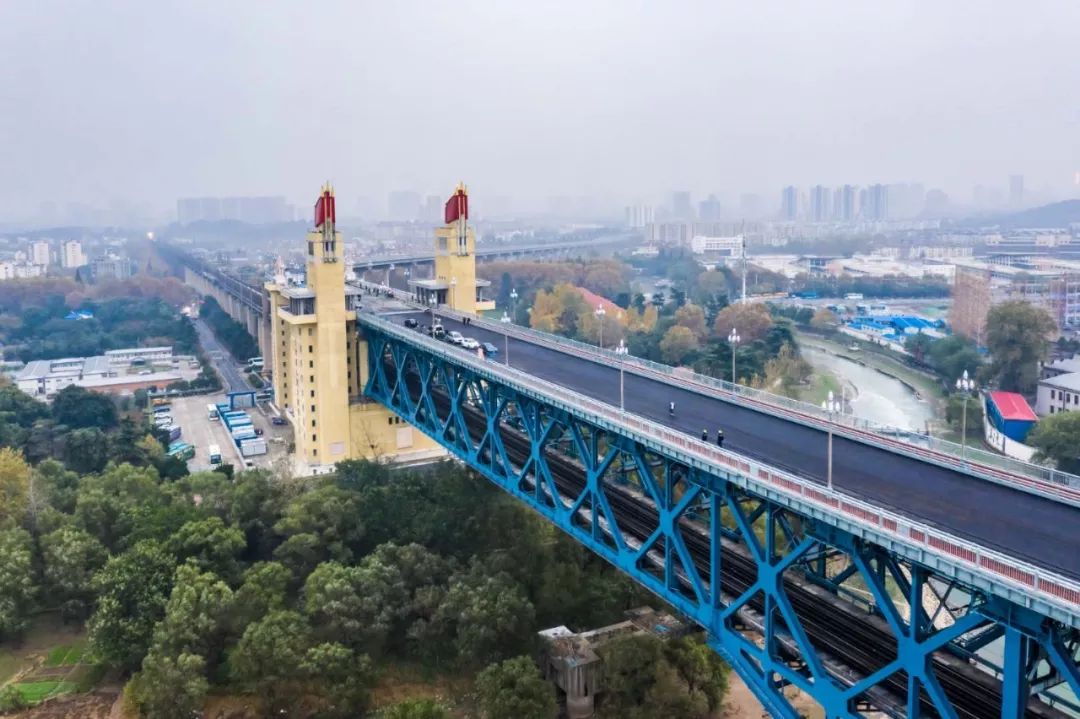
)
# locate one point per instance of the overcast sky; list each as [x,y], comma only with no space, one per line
[151,100]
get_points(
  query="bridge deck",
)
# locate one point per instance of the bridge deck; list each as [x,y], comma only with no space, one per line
[1038,530]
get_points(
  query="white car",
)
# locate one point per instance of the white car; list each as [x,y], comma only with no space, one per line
[454,337]
[469,343]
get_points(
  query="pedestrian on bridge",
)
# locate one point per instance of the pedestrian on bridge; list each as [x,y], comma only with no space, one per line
[720,438]
[671,408]
[704,435]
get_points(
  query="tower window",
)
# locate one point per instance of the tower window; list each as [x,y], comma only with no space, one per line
[312,423]
[311,364]
[314,438]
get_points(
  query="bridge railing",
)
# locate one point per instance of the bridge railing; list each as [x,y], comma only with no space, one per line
[998,468]
[989,569]
[971,459]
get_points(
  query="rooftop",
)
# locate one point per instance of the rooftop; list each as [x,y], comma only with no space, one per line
[1068,364]
[1013,406]
[1069,381]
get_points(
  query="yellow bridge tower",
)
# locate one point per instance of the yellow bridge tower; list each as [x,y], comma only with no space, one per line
[320,363]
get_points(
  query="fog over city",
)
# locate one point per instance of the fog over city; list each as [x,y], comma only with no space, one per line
[145,102]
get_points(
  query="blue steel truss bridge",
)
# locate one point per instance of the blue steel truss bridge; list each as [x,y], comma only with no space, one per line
[882,577]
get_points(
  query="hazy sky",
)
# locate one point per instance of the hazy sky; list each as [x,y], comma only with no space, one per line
[151,100]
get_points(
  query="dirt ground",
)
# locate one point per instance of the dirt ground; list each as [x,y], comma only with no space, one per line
[96,705]
[741,703]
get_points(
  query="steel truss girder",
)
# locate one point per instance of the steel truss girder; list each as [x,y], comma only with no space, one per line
[1038,653]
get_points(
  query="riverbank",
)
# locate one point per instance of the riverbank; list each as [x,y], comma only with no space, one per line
[879,388]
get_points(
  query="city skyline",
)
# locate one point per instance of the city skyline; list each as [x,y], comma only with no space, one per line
[573,106]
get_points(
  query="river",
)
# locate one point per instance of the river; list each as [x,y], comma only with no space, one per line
[878,397]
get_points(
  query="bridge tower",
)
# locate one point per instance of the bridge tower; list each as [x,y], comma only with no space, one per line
[320,361]
[454,284]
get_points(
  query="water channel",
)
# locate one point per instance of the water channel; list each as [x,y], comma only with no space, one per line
[872,395]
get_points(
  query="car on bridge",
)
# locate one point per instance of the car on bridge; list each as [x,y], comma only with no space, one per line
[410,322]
[469,343]
[490,350]
[455,337]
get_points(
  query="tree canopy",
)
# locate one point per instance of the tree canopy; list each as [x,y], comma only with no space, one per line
[1017,335]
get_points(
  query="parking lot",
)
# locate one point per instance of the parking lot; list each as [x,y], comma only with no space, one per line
[201,431]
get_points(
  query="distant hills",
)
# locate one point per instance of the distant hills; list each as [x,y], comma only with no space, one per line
[1057,214]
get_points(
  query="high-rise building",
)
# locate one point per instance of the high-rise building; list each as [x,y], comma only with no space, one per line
[845,208]
[709,210]
[789,203]
[874,203]
[638,216]
[433,208]
[403,205]
[40,253]
[681,208]
[819,203]
[73,254]
[253,210]
[1016,191]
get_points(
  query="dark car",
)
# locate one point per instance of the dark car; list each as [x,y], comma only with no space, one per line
[410,322]
[278,421]
[258,432]
[490,350]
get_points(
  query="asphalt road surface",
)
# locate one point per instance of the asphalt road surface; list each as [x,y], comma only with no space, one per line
[1023,525]
[223,362]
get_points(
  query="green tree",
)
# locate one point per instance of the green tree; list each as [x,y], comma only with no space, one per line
[210,545]
[677,344]
[347,679]
[71,557]
[263,591]
[121,502]
[17,588]
[514,689]
[331,515]
[700,668]
[86,450]
[266,658]
[953,355]
[490,614]
[415,709]
[1017,335]
[14,486]
[954,414]
[1057,439]
[132,589]
[171,687]
[195,616]
[640,682]
[79,407]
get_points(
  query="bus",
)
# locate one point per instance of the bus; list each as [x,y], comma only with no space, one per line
[181,450]
[212,412]
[255,363]
[214,453]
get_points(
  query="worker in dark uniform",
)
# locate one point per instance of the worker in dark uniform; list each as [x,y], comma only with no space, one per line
[704,435]
[720,438]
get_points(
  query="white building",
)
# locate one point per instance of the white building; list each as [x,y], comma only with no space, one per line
[19,270]
[1058,394]
[729,247]
[73,255]
[149,355]
[40,254]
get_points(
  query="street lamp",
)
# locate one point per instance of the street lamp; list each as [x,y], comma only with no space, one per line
[513,304]
[621,350]
[432,301]
[389,271]
[453,292]
[600,313]
[734,340]
[964,385]
[831,405]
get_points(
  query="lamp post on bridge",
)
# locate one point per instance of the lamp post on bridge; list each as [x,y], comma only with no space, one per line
[964,385]
[831,405]
[622,349]
[453,292]
[734,340]
[508,318]
[600,314]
